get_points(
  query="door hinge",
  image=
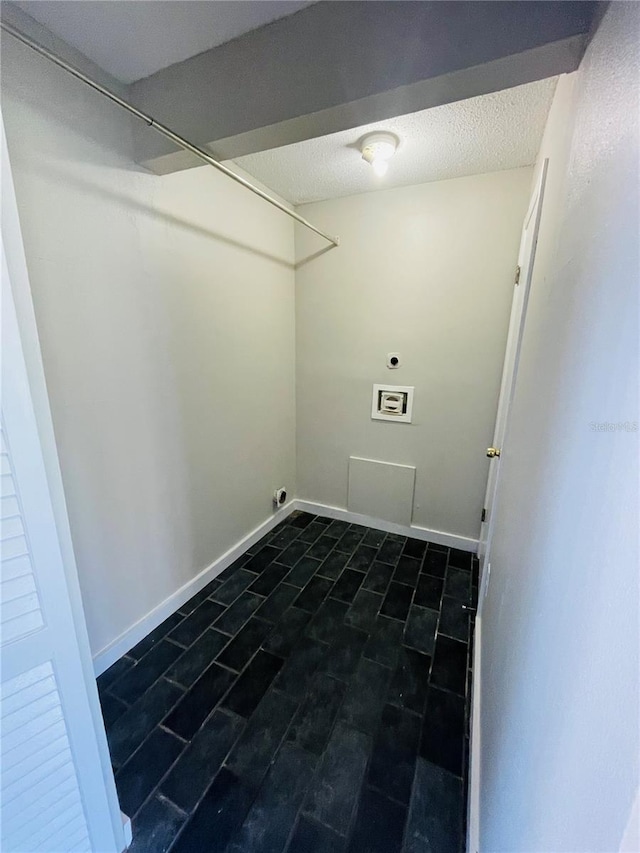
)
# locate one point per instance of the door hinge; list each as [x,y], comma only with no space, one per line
[518,274]
[484,514]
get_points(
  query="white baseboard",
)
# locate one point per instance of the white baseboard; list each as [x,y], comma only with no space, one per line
[450,540]
[128,639]
[473,811]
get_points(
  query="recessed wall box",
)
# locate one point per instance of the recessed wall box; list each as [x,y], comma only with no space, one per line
[280,497]
[392,403]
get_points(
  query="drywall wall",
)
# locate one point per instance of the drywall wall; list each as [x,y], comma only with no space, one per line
[426,271]
[165,310]
[560,638]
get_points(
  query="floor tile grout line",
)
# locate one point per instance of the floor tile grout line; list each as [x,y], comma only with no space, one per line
[349,604]
[130,704]
[217,708]
[189,814]
[215,661]
[171,732]
[107,692]
[336,722]
[158,724]
[176,643]
[135,662]
[388,796]
[156,788]
[363,781]
[265,774]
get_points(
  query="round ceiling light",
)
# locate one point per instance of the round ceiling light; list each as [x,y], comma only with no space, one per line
[377,149]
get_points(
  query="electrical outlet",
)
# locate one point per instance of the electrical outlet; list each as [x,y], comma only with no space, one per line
[280,497]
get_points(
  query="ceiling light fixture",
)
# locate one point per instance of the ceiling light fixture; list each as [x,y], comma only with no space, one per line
[377,149]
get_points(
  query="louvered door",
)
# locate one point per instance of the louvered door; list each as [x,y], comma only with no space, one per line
[54,796]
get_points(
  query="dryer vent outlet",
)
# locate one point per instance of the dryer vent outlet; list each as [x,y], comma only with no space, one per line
[280,497]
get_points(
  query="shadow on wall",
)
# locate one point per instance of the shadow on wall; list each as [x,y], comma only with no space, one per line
[314,257]
[127,398]
[163,216]
[104,141]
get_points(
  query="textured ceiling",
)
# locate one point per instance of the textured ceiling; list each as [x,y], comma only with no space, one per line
[131,39]
[502,130]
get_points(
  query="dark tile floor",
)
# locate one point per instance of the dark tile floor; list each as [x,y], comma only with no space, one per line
[312,699]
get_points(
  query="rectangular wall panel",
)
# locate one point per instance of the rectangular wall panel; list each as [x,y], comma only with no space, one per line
[381,489]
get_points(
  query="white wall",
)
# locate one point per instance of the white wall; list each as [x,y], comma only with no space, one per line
[165,309]
[426,271]
[560,638]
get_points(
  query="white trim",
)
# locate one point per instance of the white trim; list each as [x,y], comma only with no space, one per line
[515,332]
[82,745]
[128,831]
[103,659]
[473,813]
[367,459]
[439,537]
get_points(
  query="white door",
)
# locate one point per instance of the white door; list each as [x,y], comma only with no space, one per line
[57,791]
[526,257]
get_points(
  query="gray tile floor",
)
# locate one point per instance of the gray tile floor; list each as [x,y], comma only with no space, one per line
[314,697]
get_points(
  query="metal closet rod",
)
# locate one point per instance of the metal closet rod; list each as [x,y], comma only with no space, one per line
[162,129]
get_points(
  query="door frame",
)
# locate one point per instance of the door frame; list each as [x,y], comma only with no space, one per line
[19,305]
[507,386]
[513,347]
